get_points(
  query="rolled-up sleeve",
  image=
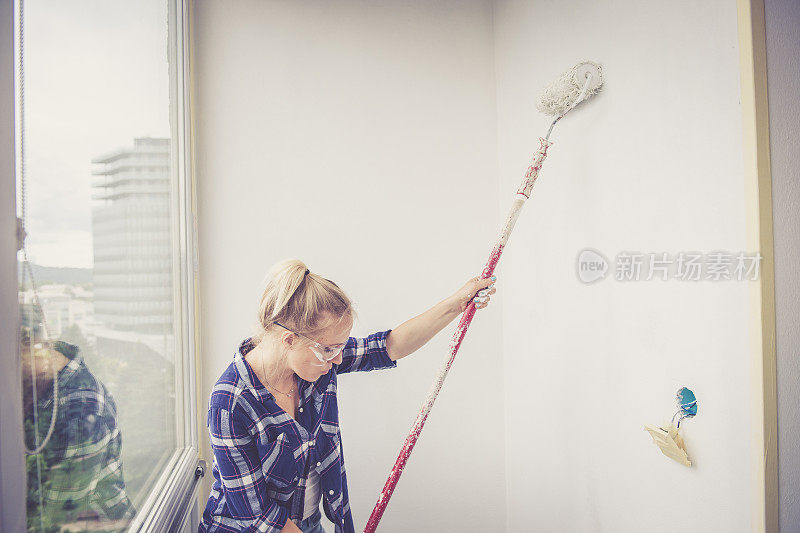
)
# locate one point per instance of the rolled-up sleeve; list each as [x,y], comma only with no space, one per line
[241,474]
[365,354]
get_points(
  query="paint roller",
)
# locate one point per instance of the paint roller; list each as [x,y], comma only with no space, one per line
[573,87]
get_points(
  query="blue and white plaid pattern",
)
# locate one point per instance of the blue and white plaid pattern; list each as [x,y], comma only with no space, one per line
[81,465]
[262,456]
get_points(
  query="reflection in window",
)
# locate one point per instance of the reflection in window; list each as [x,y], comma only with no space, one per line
[75,461]
[97,256]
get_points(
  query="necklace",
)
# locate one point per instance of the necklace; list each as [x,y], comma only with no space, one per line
[287,394]
[271,386]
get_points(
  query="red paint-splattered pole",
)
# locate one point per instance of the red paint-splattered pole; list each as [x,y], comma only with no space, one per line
[523,193]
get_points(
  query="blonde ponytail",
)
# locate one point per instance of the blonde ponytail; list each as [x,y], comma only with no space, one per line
[300,300]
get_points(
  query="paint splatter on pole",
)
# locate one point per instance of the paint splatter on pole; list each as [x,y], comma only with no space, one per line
[523,193]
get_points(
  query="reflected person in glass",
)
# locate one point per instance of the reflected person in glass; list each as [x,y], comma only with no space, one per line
[75,481]
[273,415]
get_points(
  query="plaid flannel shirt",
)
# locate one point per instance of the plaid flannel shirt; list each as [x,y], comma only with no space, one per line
[81,465]
[262,456]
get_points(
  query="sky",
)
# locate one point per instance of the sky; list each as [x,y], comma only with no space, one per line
[96,77]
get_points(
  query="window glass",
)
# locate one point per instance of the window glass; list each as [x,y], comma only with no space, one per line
[97,258]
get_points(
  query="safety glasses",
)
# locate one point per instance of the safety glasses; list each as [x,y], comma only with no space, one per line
[323,353]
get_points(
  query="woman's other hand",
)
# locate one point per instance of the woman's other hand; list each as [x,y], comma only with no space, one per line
[291,527]
[484,289]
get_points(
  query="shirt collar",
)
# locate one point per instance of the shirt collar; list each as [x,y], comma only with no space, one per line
[73,353]
[246,373]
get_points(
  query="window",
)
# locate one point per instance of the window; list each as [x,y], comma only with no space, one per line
[106,264]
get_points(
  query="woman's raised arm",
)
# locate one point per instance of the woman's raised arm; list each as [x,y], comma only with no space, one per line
[412,334]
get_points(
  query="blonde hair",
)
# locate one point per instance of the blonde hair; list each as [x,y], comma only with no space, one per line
[300,300]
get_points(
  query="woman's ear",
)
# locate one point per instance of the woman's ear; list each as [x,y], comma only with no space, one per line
[288,339]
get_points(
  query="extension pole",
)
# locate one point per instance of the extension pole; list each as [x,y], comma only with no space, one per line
[523,193]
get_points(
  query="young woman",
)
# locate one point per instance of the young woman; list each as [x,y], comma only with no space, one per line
[273,415]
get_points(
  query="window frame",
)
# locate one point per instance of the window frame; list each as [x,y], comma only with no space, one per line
[12,457]
[170,500]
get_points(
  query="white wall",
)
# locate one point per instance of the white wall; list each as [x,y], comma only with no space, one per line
[363,137]
[360,137]
[652,165]
[783,79]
